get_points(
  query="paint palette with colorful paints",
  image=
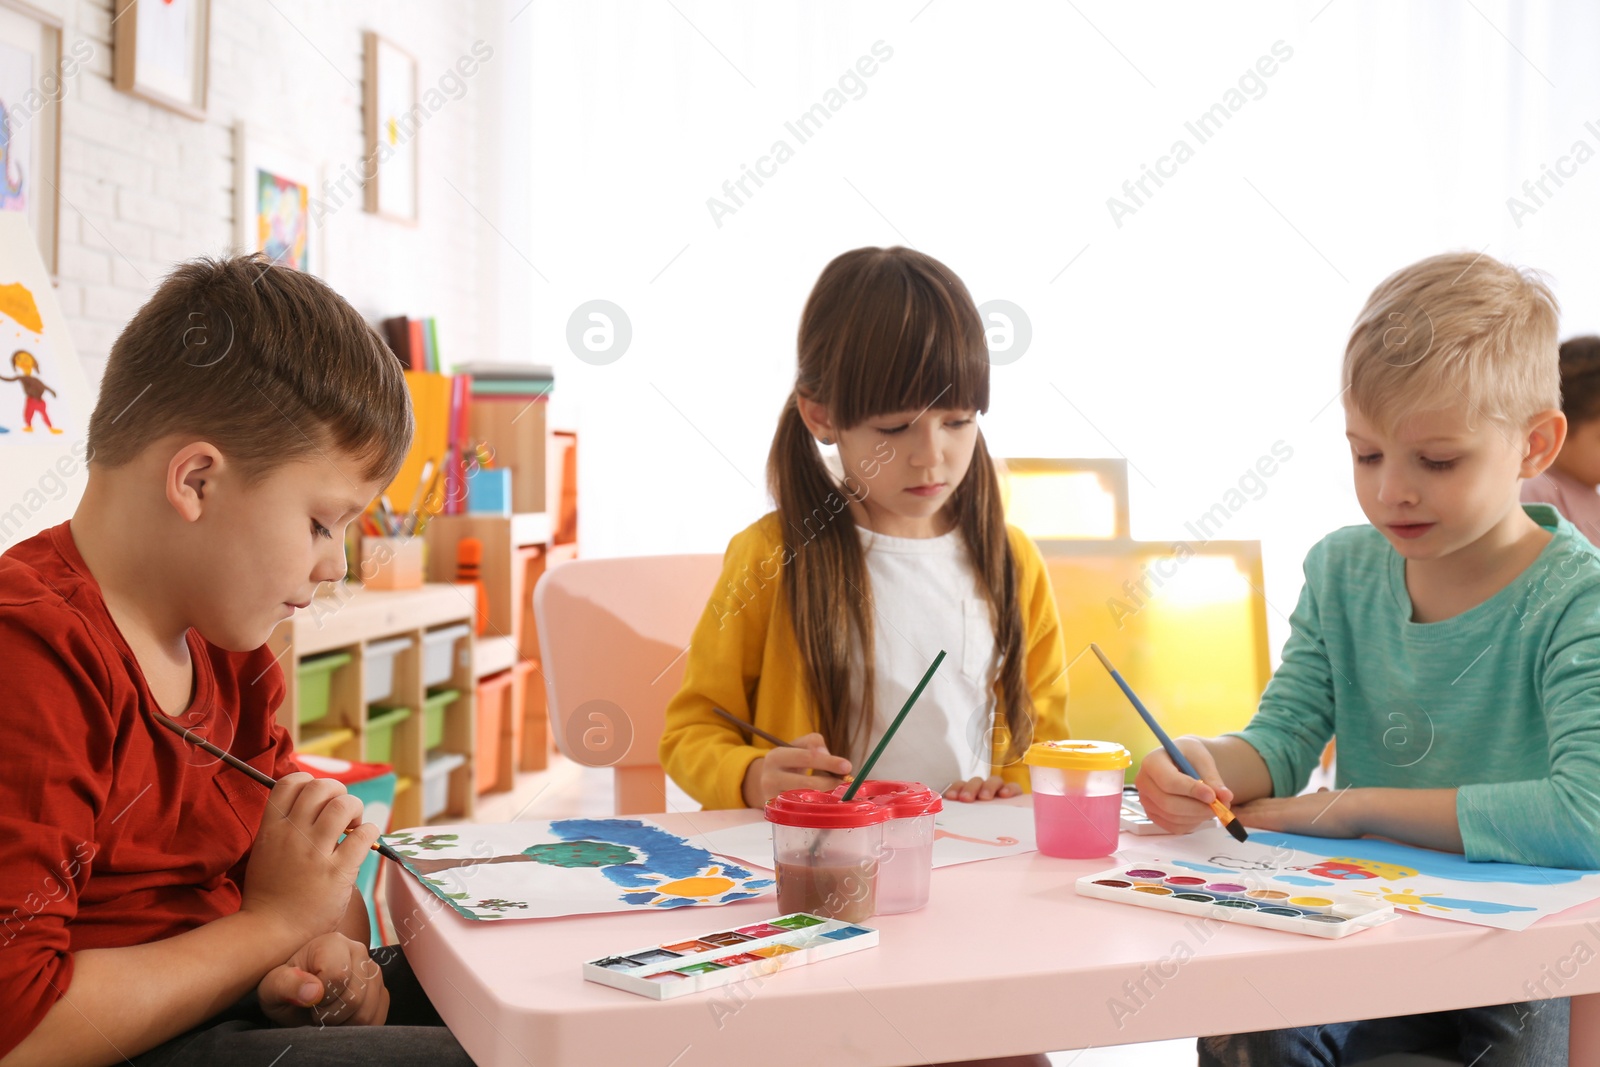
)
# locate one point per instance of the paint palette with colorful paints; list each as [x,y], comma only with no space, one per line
[1236,898]
[732,955]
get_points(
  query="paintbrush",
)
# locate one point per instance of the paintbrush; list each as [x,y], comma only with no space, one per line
[866,768]
[1228,818]
[265,779]
[754,729]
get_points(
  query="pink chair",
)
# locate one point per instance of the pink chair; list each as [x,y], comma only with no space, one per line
[613,638]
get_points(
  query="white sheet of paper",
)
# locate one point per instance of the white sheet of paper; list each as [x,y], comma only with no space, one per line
[963,833]
[535,870]
[1507,896]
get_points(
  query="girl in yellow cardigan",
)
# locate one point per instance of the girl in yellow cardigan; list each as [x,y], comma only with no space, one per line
[830,608]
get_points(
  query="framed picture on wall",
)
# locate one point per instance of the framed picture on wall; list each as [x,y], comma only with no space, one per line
[389,110]
[275,186]
[161,52]
[31,84]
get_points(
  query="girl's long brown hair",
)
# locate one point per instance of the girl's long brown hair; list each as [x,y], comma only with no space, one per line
[885,330]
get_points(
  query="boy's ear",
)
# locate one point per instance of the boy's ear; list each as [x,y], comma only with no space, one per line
[815,416]
[190,473]
[1547,432]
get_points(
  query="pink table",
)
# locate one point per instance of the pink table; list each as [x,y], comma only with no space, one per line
[1005,959]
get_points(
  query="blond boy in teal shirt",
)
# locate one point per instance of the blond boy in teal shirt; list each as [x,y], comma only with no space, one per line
[1452,647]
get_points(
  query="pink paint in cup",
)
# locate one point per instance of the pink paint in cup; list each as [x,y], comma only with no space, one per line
[1077,796]
[906,867]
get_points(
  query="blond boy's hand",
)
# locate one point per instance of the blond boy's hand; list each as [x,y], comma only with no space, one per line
[331,981]
[1174,801]
[993,787]
[300,873]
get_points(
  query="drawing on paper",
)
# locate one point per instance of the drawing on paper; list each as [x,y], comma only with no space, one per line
[571,866]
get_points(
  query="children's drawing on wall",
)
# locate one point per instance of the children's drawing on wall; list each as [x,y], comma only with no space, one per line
[531,870]
[13,180]
[1509,896]
[26,351]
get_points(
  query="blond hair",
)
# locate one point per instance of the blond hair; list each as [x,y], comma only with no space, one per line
[1454,330]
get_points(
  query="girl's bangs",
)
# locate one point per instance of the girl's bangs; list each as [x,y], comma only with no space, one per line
[918,346]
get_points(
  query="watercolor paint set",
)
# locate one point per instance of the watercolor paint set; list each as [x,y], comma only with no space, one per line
[731,955]
[1237,897]
[1134,820]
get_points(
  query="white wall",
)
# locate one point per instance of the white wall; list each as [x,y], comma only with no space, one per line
[1204,328]
[143,188]
[148,187]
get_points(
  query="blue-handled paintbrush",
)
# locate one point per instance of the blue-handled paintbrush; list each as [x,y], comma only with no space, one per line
[1228,818]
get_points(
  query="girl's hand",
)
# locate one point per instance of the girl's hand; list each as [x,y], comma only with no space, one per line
[331,981]
[991,788]
[1174,801]
[785,768]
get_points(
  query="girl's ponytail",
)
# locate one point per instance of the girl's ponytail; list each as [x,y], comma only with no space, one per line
[978,511]
[823,570]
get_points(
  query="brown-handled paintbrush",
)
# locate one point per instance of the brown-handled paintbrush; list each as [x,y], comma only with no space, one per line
[752,728]
[265,779]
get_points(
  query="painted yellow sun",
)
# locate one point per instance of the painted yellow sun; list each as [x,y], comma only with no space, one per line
[703,888]
[1403,897]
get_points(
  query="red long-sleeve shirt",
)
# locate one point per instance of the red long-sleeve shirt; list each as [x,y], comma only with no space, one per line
[114,831]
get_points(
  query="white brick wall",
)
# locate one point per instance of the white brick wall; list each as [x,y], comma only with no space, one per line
[143,188]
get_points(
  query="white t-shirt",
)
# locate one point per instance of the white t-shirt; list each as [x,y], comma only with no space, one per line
[927,597]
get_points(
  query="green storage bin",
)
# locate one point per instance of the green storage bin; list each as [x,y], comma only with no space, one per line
[433,716]
[316,683]
[382,721]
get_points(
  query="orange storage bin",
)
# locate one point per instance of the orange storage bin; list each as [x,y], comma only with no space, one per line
[530,717]
[493,758]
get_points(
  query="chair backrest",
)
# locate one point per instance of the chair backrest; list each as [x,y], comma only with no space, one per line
[613,640]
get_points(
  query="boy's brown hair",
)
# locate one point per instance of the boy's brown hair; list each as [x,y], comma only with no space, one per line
[1455,329]
[265,362]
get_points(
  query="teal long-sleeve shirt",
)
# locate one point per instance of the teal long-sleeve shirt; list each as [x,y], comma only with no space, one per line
[1501,702]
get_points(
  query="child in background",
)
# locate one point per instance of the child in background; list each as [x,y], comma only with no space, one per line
[158,907]
[1570,483]
[831,608]
[1452,646]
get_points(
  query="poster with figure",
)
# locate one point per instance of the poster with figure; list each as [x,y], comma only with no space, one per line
[44,398]
[540,870]
[1419,881]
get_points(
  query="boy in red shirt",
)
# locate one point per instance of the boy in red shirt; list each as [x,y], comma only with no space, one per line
[159,907]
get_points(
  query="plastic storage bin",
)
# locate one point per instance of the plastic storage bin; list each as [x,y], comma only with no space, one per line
[433,716]
[495,709]
[378,672]
[382,721]
[438,653]
[316,684]
[436,782]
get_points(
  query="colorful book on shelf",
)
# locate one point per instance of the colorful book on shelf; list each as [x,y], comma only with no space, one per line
[419,345]
[484,371]
[461,445]
[532,390]
[430,406]
[431,334]
[397,334]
